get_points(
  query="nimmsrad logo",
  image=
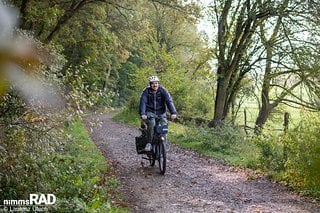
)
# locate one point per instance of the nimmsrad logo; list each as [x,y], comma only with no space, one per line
[34,199]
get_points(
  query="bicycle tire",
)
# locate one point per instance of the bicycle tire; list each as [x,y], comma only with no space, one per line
[162,158]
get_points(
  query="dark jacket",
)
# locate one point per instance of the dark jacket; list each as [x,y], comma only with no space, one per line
[156,102]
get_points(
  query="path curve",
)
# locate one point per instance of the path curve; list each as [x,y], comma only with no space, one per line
[192,183]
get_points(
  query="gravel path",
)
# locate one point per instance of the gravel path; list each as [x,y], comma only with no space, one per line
[192,183]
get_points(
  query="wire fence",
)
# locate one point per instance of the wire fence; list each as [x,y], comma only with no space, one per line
[249,124]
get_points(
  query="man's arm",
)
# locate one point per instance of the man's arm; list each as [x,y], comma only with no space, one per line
[142,106]
[169,102]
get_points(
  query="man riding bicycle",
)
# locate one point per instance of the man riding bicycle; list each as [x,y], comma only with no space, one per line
[154,102]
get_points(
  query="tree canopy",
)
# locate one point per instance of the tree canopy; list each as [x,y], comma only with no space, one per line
[269,39]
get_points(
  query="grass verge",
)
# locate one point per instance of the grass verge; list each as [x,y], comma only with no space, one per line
[80,177]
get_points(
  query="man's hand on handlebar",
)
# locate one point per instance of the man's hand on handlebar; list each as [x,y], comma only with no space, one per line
[144,117]
[173,116]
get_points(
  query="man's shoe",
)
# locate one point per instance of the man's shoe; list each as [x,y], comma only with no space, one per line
[148,147]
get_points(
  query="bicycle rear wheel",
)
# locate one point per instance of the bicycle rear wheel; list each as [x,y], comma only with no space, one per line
[162,158]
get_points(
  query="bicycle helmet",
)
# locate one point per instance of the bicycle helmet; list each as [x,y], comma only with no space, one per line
[153,79]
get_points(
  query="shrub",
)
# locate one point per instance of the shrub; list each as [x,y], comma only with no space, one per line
[270,152]
[26,138]
[303,164]
[38,157]
[227,143]
[77,175]
[294,157]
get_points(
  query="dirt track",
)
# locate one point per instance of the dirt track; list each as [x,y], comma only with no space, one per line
[192,183]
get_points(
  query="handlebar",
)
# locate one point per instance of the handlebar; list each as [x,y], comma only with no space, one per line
[158,117]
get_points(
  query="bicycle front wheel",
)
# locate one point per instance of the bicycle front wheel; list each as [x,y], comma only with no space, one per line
[161,154]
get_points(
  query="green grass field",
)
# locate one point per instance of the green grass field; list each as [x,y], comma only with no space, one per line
[275,121]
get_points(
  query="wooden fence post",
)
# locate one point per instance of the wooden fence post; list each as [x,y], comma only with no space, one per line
[286,122]
[285,129]
[245,120]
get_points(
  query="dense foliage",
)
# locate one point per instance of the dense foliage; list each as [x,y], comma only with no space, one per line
[100,54]
[86,54]
[37,157]
[303,163]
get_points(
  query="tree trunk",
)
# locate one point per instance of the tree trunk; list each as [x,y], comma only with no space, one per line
[105,82]
[23,14]
[220,98]
[233,89]
[266,107]
[264,113]
[231,50]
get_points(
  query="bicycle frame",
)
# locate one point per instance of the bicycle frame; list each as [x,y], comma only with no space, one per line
[158,151]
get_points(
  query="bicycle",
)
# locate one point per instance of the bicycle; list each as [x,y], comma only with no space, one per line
[158,151]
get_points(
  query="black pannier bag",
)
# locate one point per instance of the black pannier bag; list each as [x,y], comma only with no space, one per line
[161,129]
[141,142]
